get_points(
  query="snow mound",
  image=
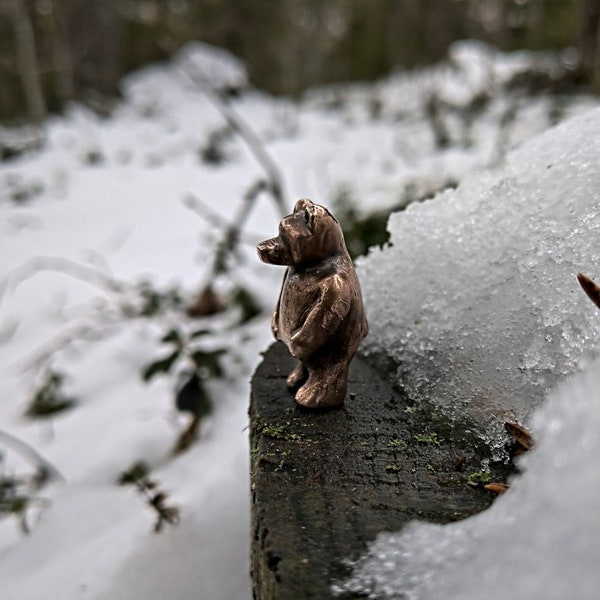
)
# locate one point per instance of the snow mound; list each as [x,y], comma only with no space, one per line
[481,309]
[539,540]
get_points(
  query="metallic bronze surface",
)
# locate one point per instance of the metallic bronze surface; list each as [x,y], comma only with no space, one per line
[319,315]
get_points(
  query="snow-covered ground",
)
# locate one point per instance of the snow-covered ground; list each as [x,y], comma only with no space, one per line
[110,194]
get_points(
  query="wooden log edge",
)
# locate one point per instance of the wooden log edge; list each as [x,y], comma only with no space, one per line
[324,484]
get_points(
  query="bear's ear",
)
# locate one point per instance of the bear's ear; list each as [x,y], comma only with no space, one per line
[305,203]
[302,204]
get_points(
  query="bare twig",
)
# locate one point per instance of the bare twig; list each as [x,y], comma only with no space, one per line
[207,301]
[127,301]
[274,179]
[61,265]
[80,331]
[233,231]
[434,115]
[188,436]
[156,500]
[212,217]
[505,124]
[45,471]
[77,333]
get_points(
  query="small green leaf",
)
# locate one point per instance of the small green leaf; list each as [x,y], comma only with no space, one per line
[396,443]
[199,333]
[137,472]
[427,438]
[172,337]
[209,361]
[479,478]
[162,365]
[248,304]
[193,398]
[50,398]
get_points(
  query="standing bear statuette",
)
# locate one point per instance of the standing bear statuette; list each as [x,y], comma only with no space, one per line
[320,314]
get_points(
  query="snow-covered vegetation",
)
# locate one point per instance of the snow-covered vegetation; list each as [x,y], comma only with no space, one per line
[110,228]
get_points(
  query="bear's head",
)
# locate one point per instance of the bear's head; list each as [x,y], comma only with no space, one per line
[307,236]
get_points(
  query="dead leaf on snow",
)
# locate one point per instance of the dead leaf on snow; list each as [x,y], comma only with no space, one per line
[521,435]
[590,287]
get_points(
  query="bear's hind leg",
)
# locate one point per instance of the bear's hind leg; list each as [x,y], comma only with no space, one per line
[297,377]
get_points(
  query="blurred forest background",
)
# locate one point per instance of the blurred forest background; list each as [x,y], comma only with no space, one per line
[52,51]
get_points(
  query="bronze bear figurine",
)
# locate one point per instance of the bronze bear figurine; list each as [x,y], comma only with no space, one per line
[320,314]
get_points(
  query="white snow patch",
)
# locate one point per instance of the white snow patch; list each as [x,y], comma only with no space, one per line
[483,313]
[482,310]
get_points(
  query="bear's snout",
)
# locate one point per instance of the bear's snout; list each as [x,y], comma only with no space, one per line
[271,252]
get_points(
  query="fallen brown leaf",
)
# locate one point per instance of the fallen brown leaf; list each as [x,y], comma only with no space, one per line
[590,287]
[206,303]
[521,435]
[497,488]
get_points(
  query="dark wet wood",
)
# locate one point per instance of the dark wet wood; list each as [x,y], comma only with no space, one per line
[324,484]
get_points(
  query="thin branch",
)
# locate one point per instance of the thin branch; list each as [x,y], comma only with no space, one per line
[62,265]
[45,470]
[254,143]
[233,231]
[207,302]
[77,333]
[212,217]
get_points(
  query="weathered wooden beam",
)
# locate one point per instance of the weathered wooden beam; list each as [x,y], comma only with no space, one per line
[324,484]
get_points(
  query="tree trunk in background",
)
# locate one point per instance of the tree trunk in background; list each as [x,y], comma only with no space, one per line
[61,51]
[596,66]
[27,59]
[96,33]
[535,23]
[589,40]
[446,22]
[81,48]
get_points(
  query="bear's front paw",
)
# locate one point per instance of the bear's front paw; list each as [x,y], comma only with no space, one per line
[298,348]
